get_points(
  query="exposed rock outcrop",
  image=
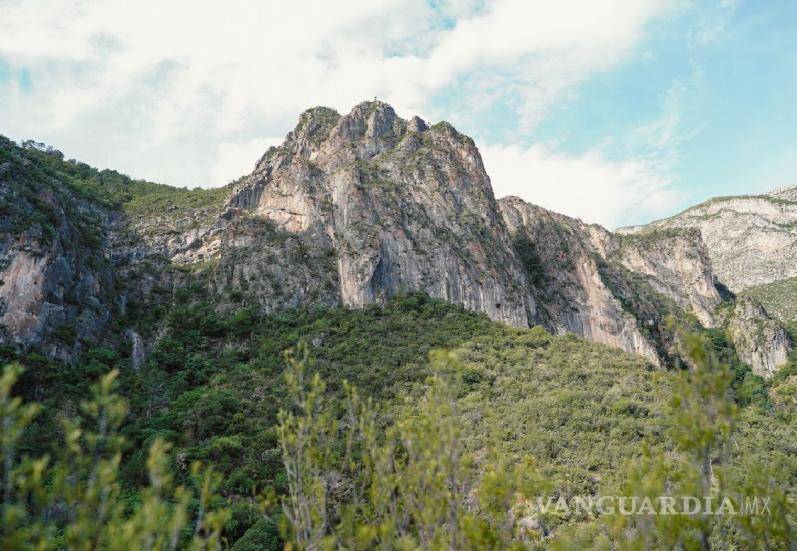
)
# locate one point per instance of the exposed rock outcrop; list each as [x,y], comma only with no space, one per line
[761,342]
[562,259]
[22,294]
[401,205]
[676,263]
[352,210]
[56,283]
[752,240]
[278,270]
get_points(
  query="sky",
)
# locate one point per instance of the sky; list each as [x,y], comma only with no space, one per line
[614,111]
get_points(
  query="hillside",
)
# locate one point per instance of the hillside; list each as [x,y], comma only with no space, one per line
[372,242]
[213,387]
[751,239]
[350,210]
[779,298]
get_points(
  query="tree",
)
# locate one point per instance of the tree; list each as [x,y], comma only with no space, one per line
[75,501]
[702,420]
[395,480]
[305,433]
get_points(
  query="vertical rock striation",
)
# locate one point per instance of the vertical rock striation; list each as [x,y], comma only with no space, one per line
[401,204]
[352,210]
[676,264]
[761,342]
[562,256]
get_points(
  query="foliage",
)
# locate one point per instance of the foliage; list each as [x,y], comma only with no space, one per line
[704,421]
[37,182]
[529,259]
[416,477]
[404,487]
[73,499]
[747,388]
[528,405]
[306,440]
[262,536]
[779,298]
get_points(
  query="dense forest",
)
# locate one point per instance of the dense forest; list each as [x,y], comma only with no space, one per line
[368,434]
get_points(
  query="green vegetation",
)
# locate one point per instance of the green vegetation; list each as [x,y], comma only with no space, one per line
[651,235]
[156,198]
[323,120]
[27,194]
[371,175]
[746,387]
[779,298]
[430,480]
[72,499]
[404,487]
[523,411]
[529,259]
[708,462]
[36,181]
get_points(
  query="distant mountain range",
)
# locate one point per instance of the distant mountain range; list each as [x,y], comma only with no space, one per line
[751,239]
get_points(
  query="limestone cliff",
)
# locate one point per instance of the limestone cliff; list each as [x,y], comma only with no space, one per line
[562,259]
[350,209]
[752,245]
[751,240]
[676,263]
[400,205]
[55,280]
[761,342]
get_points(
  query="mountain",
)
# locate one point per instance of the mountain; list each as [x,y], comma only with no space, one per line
[370,241]
[398,206]
[751,242]
[751,239]
[348,210]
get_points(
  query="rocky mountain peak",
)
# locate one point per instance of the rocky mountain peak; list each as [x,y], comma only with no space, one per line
[325,142]
[353,209]
[314,125]
[372,127]
[400,204]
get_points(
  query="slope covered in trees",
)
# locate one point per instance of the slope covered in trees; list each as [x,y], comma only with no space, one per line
[569,414]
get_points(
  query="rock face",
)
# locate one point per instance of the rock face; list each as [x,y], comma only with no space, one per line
[400,206]
[55,281]
[676,264]
[760,342]
[23,295]
[751,240]
[614,289]
[562,257]
[275,269]
[351,210]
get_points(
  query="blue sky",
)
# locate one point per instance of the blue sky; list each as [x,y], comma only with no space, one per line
[735,94]
[615,111]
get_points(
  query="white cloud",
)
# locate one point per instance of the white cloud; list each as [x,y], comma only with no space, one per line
[157,88]
[633,187]
[589,186]
[235,158]
[713,22]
